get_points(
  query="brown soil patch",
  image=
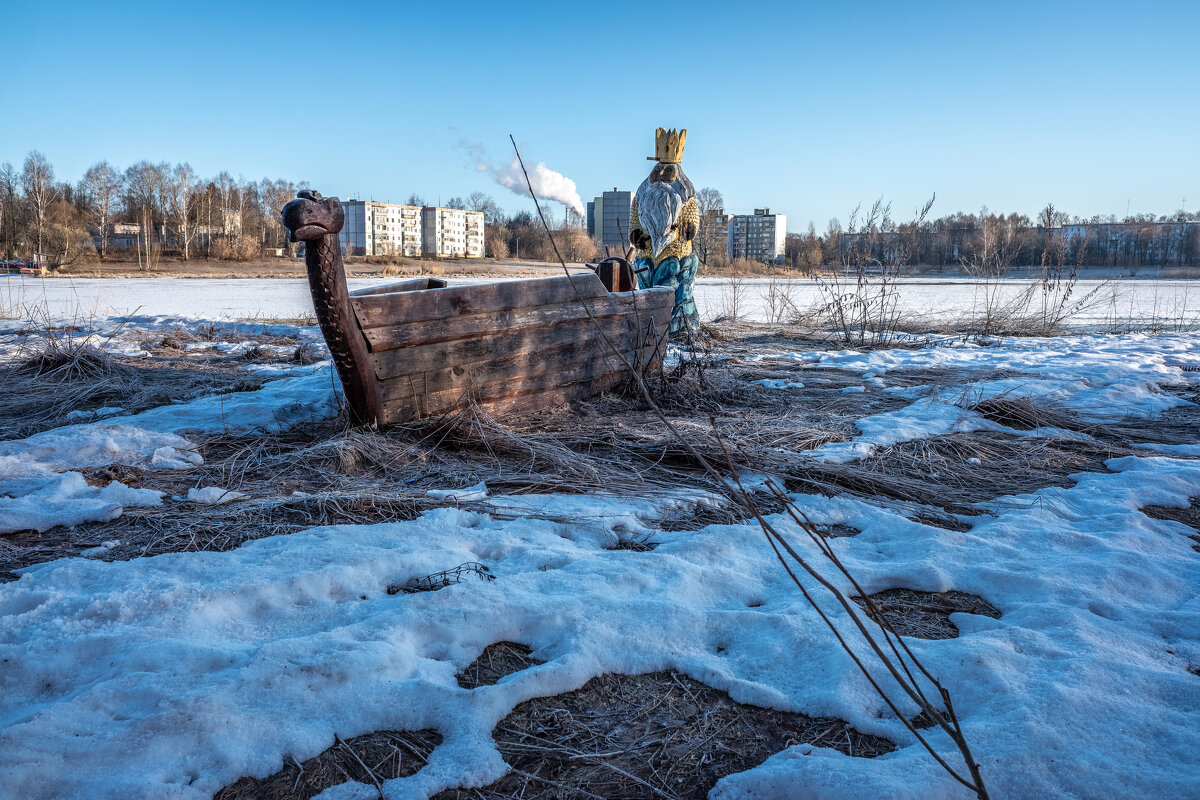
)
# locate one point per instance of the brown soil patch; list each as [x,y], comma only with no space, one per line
[495,662]
[370,759]
[643,736]
[925,615]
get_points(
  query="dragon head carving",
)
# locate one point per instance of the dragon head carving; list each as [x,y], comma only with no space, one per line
[311,216]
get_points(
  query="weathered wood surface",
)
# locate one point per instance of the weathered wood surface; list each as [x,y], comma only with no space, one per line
[632,304]
[527,393]
[464,377]
[422,358]
[411,285]
[316,221]
[376,311]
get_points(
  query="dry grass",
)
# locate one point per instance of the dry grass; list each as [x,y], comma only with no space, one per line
[57,371]
[641,736]
[370,759]
[327,474]
[619,736]
[924,615]
[495,662]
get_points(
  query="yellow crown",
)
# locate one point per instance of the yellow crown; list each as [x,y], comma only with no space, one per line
[668,145]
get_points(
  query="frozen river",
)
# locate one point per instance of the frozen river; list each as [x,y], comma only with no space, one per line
[1169,303]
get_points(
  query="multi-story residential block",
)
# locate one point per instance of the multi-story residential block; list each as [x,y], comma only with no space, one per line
[608,219]
[452,232]
[390,229]
[760,236]
[376,229]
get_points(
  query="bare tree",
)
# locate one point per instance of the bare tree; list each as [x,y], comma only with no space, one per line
[8,206]
[273,196]
[143,202]
[102,186]
[415,199]
[227,188]
[478,201]
[37,181]
[179,186]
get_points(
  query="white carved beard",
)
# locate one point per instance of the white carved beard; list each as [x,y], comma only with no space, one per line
[659,207]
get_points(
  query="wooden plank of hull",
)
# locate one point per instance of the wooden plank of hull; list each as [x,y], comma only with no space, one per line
[412,285]
[375,311]
[406,334]
[525,393]
[423,358]
[464,376]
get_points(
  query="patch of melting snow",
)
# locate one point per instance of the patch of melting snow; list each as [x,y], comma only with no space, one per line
[213,496]
[296,639]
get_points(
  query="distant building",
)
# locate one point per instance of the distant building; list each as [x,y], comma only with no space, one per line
[451,232]
[608,219]
[391,229]
[758,237]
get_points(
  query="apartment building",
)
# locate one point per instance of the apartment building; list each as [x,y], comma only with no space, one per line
[759,236]
[391,229]
[608,219]
[452,232]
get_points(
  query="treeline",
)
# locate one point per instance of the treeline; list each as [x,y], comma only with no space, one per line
[992,243]
[147,208]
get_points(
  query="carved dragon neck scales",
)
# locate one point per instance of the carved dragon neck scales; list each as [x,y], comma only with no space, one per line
[316,221]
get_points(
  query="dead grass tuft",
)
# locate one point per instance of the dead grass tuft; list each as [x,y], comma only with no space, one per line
[659,735]
[370,759]
[1025,413]
[495,662]
[925,615]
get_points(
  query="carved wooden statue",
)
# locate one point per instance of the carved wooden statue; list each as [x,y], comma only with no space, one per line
[662,224]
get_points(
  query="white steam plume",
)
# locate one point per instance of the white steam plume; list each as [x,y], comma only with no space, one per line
[547,184]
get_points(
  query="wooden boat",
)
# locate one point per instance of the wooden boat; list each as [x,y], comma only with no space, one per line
[422,347]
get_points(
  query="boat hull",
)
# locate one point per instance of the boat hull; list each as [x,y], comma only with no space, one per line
[509,347]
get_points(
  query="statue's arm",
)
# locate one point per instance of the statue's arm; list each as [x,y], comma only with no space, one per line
[689,220]
[637,236]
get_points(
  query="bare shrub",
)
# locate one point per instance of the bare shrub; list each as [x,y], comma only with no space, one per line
[862,298]
[780,299]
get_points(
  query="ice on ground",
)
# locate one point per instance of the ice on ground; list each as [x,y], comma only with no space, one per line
[37,492]
[94,445]
[99,413]
[102,549]
[41,503]
[173,676]
[778,383]
[213,496]
[276,406]
[470,494]
[1099,378]
[221,665]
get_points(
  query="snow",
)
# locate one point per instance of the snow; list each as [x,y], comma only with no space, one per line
[221,664]
[38,492]
[778,383]
[66,499]
[1117,303]
[213,496]
[477,492]
[174,675]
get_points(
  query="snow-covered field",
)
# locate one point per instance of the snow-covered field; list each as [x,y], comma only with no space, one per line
[174,675]
[1120,304]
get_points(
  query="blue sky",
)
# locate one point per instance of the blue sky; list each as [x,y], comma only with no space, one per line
[809,109]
